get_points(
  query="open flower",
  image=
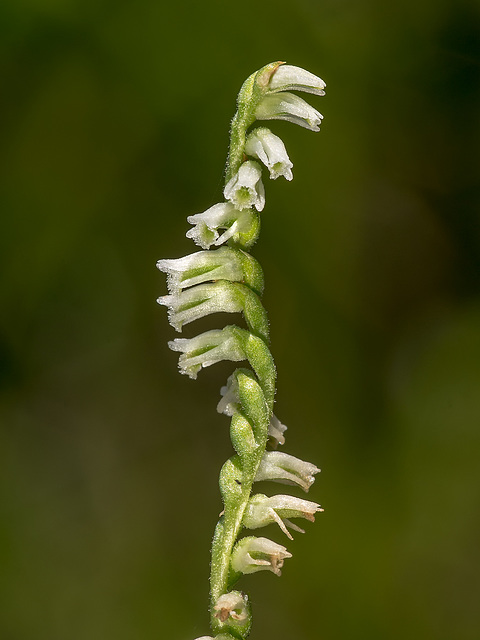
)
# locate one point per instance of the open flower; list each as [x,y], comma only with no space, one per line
[281,467]
[207,349]
[245,189]
[269,148]
[262,510]
[232,605]
[290,78]
[202,266]
[222,216]
[288,106]
[201,301]
[258,554]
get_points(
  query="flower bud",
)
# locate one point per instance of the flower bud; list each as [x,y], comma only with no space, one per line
[262,510]
[289,78]
[245,189]
[288,106]
[207,349]
[236,224]
[230,404]
[281,467]
[269,148]
[258,554]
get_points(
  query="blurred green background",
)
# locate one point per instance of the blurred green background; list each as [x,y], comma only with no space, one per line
[114,124]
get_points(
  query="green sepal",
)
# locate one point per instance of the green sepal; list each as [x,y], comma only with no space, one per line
[253,405]
[242,437]
[246,239]
[253,311]
[230,480]
[252,271]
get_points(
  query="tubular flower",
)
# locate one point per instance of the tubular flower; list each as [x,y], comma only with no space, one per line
[207,349]
[269,148]
[290,78]
[258,554]
[200,301]
[281,467]
[202,266]
[262,510]
[245,189]
[288,106]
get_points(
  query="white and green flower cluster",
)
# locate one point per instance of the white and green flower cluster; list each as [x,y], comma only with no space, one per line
[223,277]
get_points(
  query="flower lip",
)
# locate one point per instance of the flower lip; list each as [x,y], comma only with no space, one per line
[289,78]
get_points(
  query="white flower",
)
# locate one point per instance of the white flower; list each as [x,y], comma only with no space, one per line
[221,216]
[232,605]
[262,510]
[201,301]
[288,106]
[222,264]
[290,78]
[257,554]
[245,189]
[281,467]
[207,349]
[269,148]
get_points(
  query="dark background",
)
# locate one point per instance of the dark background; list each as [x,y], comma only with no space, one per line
[114,124]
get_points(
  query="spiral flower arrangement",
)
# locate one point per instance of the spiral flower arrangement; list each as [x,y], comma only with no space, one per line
[227,278]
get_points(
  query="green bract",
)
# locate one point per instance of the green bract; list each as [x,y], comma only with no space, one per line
[229,280]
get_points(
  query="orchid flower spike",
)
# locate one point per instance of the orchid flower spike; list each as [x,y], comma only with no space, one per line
[224,277]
